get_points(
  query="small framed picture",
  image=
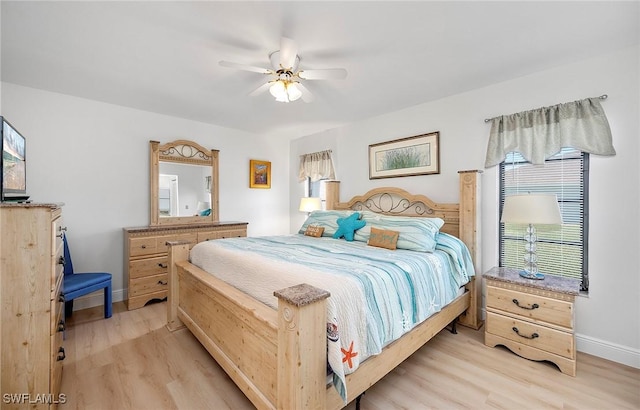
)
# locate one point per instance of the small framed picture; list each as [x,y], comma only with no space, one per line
[259,174]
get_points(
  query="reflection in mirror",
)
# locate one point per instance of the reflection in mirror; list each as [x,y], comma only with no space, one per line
[182,189]
[184,183]
[168,195]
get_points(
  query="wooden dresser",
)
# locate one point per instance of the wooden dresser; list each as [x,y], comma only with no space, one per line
[32,314]
[145,260]
[533,318]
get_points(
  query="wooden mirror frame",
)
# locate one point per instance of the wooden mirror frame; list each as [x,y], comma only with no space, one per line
[182,152]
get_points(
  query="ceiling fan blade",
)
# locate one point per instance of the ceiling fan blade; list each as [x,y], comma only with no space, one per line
[306,94]
[324,74]
[264,87]
[245,67]
[288,53]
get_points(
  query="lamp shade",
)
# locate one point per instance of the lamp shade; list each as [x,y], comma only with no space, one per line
[310,204]
[531,209]
[203,205]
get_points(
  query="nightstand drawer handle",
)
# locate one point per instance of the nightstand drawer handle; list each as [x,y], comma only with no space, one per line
[162,282]
[163,265]
[534,306]
[533,336]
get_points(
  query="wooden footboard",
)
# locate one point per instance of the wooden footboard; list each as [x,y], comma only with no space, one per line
[278,358]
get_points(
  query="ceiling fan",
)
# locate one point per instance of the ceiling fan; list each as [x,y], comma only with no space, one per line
[285,83]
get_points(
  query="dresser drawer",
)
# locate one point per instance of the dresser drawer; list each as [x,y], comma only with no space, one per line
[57,230]
[57,310]
[531,334]
[235,233]
[148,267]
[143,246]
[57,272]
[534,307]
[148,284]
[58,355]
[207,236]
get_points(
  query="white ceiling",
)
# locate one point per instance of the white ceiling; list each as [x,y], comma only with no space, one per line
[163,56]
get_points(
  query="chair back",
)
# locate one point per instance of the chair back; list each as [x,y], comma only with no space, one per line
[68,265]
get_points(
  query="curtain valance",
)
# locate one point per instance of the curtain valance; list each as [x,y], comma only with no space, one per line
[540,133]
[317,166]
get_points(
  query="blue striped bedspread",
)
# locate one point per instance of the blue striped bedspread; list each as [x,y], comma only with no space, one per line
[377,295]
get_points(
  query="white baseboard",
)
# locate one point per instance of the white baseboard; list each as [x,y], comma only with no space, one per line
[608,350]
[97,299]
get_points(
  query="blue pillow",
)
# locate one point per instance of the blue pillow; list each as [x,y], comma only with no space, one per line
[348,226]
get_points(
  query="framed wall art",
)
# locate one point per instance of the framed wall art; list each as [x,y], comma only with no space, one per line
[259,174]
[418,155]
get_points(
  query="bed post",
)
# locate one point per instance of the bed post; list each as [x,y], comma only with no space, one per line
[302,347]
[469,233]
[332,193]
[178,251]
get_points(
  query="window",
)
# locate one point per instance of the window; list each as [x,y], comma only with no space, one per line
[317,189]
[561,250]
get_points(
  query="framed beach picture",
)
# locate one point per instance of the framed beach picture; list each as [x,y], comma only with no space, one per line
[419,155]
[259,174]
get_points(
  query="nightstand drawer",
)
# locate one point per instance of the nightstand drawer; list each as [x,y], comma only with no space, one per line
[531,334]
[538,308]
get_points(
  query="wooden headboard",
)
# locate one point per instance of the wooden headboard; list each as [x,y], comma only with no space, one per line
[398,202]
[460,219]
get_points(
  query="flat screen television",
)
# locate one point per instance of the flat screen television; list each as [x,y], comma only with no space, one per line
[14,164]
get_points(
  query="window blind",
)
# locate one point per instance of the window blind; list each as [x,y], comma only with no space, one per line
[561,250]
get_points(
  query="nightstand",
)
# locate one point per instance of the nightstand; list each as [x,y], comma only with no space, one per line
[533,318]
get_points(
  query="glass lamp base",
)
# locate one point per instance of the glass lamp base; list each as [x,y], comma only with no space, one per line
[529,275]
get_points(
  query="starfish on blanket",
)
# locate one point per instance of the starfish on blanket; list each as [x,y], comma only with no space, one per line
[348,226]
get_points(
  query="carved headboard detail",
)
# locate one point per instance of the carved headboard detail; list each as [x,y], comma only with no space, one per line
[397,201]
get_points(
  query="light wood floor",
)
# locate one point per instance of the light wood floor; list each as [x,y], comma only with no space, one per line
[131,361]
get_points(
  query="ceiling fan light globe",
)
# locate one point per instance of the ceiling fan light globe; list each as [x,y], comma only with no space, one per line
[278,89]
[294,92]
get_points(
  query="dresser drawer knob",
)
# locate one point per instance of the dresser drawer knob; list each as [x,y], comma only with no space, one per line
[534,306]
[163,265]
[144,246]
[61,354]
[61,326]
[533,336]
[162,282]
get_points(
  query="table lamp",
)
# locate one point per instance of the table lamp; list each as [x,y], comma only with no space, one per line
[531,209]
[309,204]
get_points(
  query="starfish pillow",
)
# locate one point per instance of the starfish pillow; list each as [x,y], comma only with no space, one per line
[348,226]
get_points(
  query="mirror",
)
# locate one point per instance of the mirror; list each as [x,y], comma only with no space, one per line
[184,183]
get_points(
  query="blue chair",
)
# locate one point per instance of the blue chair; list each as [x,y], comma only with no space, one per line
[79,284]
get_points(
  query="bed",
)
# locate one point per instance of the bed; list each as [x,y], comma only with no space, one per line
[278,357]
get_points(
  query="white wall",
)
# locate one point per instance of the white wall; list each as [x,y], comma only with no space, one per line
[94,157]
[608,319]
